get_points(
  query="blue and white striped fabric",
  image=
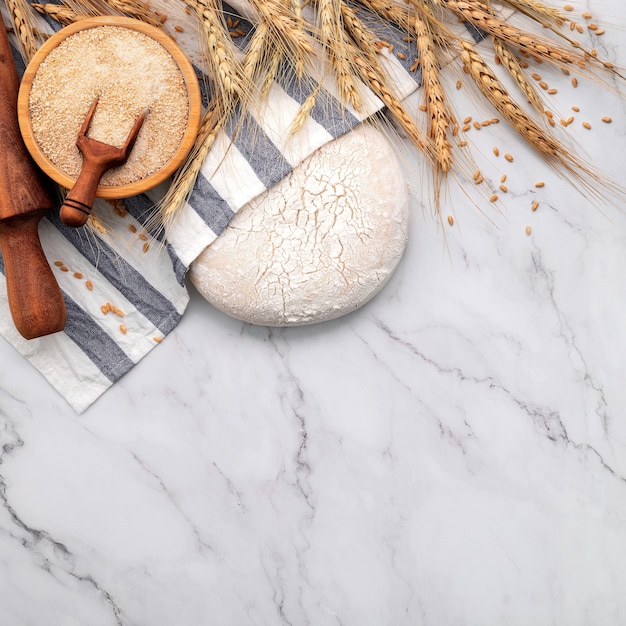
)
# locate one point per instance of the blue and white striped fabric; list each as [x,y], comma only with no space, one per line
[144,278]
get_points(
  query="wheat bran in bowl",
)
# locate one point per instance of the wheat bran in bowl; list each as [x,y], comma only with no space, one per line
[128,71]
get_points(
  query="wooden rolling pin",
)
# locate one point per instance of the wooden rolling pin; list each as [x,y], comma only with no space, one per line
[35,299]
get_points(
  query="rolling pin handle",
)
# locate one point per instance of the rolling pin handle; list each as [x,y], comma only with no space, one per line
[35,299]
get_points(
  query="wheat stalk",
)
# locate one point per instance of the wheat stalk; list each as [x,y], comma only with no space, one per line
[479,15]
[296,6]
[273,66]
[495,92]
[255,52]
[362,37]
[136,9]
[58,12]
[174,199]
[284,28]
[539,138]
[261,62]
[219,54]
[304,111]
[283,34]
[88,7]
[516,71]
[539,11]
[334,41]
[95,224]
[435,97]
[376,82]
[22,18]
[396,14]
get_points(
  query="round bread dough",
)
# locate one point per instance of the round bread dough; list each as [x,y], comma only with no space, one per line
[318,244]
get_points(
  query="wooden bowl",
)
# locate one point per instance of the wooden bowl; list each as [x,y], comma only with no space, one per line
[191,84]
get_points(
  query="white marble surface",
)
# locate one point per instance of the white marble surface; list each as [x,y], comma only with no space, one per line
[454,453]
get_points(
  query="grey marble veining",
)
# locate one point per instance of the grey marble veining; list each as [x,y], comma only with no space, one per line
[452,454]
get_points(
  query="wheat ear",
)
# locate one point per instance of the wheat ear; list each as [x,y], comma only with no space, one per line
[479,15]
[378,85]
[22,18]
[511,64]
[261,62]
[542,13]
[136,9]
[88,7]
[539,11]
[334,42]
[58,12]
[297,6]
[284,28]
[436,100]
[362,36]
[255,53]
[398,15]
[516,72]
[174,199]
[539,138]
[219,52]
[304,111]
[273,66]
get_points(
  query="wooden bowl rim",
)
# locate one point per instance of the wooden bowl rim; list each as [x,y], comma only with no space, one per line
[193,96]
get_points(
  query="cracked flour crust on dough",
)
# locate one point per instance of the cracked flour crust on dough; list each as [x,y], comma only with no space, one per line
[318,244]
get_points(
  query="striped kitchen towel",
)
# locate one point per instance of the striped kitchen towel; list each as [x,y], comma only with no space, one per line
[125,290]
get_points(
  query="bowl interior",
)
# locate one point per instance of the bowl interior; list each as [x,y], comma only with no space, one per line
[191,86]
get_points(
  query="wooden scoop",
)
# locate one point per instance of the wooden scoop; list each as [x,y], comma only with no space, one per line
[98,158]
[35,300]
